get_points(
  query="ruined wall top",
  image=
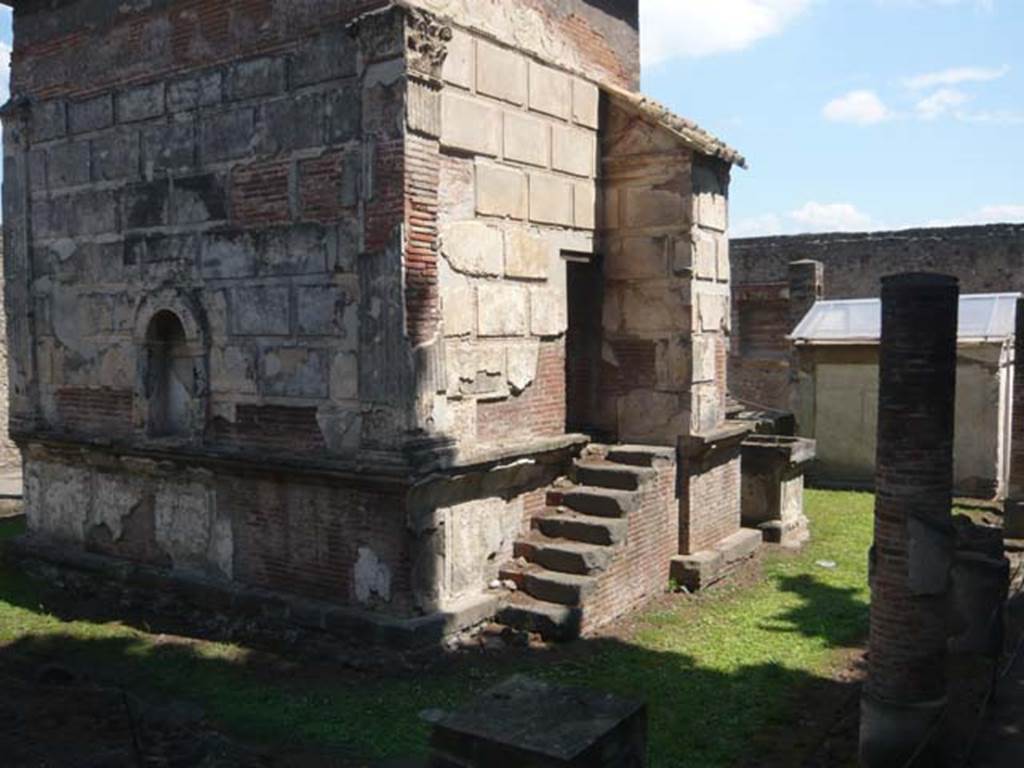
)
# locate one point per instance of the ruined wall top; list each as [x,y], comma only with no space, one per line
[599,38]
[986,259]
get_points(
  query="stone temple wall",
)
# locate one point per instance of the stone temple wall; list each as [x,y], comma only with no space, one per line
[666,313]
[517,152]
[275,283]
[986,259]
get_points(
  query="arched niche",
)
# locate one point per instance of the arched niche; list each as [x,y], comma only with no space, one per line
[171,395]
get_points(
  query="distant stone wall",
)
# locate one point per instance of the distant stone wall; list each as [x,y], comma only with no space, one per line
[986,259]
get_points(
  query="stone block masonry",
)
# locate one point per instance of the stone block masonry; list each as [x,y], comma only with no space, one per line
[288,283]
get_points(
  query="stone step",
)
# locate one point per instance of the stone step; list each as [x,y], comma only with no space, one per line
[641,455]
[592,500]
[608,474]
[550,620]
[565,556]
[553,587]
[582,528]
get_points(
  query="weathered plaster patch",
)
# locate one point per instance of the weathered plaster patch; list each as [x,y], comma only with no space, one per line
[372,578]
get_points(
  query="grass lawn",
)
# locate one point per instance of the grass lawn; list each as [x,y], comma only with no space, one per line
[716,670]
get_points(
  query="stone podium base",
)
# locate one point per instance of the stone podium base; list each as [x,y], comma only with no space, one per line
[702,569]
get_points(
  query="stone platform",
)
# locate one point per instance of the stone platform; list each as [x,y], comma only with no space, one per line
[702,569]
[527,723]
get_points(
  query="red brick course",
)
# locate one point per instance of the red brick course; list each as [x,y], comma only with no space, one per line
[709,509]
[538,411]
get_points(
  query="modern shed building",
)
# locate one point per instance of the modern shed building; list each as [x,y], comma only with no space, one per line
[836,347]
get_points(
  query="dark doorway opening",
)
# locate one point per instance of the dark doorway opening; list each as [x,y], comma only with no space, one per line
[583,342]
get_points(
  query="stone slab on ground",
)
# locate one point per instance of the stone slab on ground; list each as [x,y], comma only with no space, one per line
[702,569]
[527,723]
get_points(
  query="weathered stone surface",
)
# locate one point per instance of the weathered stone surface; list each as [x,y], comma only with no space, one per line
[258,77]
[653,307]
[48,120]
[637,258]
[526,139]
[233,370]
[328,56]
[344,114]
[522,365]
[199,199]
[476,370]
[142,103]
[550,91]
[473,248]
[548,312]
[168,147]
[326,310]
[529,724]
[573,150]
[227,135]
[68,164]
[646,207]
[500,73]
[507,311]
[585,103]
[261,310]
[470,124]
[345,377]
[585,199]
[459,64]
[91,115]
[202,90]
[423,109]
[115,157]
[528,255]
[500,191]
[295,372]
[291,123]
[551,200]
[228,254]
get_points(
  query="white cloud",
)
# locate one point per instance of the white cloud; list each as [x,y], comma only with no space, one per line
[810,217]
[941,102]
[982,5]
[956,76]
[859,107]
[672,29]
[831,217]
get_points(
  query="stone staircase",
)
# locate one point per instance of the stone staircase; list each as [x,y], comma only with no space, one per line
[565,565]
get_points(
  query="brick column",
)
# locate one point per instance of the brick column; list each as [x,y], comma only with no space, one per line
[806,285]
[806,280]
[1013,523]
[914,536]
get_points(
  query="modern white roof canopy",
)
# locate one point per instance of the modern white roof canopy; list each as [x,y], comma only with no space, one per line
[983,317]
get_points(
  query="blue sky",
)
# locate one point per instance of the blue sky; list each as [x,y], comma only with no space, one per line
[854,114]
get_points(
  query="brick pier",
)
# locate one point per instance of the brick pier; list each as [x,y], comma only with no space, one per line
[914,536]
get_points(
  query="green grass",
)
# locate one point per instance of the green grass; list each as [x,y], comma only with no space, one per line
[715,671]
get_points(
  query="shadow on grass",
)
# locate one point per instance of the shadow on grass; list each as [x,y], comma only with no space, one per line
[833,614]
[701,714]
